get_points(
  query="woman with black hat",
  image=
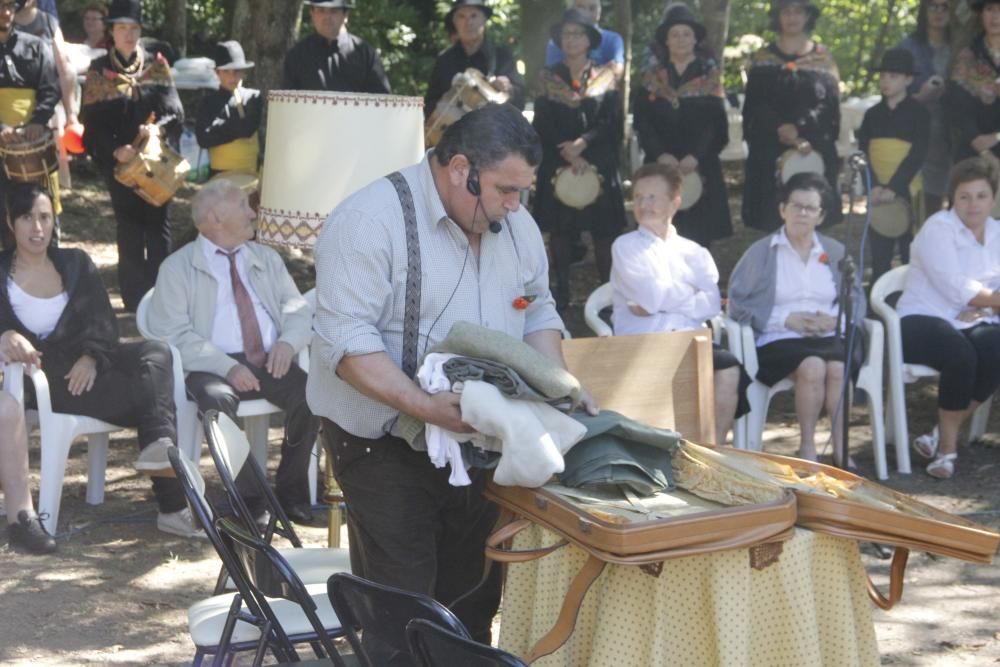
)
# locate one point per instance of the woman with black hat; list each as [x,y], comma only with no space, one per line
[972,98]
[681,119]
[792,104]
[472,48]
[578,117]
[122,91]
[229,117]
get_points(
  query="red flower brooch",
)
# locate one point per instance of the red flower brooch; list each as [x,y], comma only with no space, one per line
[791,66]
[824,259]
[522,302]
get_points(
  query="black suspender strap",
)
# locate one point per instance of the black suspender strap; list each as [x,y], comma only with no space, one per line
[411,313]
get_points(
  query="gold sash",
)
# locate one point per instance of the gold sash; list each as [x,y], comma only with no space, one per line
[237,155]
[886,155]
[16,105]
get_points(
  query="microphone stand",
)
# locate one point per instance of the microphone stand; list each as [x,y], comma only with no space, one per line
[846,326]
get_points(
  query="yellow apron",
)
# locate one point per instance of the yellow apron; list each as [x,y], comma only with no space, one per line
[886,155]
[16,107]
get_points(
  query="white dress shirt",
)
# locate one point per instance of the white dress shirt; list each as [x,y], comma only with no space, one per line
[805,287]
[674,279]
[226,332]
[948,267]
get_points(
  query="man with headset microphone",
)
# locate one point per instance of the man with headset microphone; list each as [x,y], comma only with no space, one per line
[397,263]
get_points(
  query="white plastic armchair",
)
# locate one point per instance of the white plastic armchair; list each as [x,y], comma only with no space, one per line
[901,374]
[256,413]
[743,345]
[57,432]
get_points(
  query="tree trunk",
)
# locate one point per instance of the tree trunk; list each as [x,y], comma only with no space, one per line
[267,29]
[623,14]
[175,24]
[536,17]
[715,15]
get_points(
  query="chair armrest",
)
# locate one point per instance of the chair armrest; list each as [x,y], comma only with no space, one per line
[742,344]
[42,397]
[876,339]
[718,326]
[13,380]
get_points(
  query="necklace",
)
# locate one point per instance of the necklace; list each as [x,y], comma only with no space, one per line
[121,66]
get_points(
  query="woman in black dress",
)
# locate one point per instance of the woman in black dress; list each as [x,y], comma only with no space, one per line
[122,91]
[579,119]
[792,102]
[680,116]
[972,97]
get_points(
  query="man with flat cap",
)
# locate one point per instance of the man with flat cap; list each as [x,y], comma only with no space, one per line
[332,58]
[473,49]
[229,117]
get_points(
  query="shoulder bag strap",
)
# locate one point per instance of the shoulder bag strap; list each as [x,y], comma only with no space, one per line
[411,313]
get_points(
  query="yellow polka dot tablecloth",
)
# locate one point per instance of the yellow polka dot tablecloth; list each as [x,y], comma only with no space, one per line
[808,608]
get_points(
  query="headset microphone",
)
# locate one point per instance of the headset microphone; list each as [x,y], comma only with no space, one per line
[495,227]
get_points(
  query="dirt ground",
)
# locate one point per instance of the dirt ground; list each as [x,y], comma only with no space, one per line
[117,590]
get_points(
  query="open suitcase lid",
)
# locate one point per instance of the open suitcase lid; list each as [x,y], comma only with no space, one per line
[854,507]
[694,527]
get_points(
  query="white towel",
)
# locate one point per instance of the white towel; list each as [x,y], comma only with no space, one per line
[442,445]
[534,435]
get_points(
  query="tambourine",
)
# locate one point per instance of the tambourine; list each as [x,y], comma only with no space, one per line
[577,190]
[793,162]
[691,188]
[892,219]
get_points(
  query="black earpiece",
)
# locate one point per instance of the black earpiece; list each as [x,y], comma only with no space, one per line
[472,182]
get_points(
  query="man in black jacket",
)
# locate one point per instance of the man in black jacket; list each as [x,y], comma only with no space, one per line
[332,58]
[229,118]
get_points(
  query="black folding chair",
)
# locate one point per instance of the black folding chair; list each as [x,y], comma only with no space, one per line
[203,616]
[381,614]
[303,615]
[435,646]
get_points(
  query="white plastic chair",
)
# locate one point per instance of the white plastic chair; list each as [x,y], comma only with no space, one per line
[58,431]
[744,346]
[901,374]
[601,298]
[256,413]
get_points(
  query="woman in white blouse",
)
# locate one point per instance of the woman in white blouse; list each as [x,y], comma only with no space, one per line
[786,287]
[949,306]
[665,282]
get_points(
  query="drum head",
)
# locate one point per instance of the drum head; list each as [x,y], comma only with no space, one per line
[691,189]
[246,182]
[793,162]
[891,219]
[577,190]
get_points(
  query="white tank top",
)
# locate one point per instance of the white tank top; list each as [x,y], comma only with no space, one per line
[39,316]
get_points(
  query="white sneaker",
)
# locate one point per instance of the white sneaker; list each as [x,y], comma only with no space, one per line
[179,523]
[153,459]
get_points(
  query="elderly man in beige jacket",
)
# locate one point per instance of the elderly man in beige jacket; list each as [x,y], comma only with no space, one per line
[232,309]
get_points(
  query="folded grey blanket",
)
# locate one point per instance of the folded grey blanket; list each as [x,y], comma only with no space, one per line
[501,376]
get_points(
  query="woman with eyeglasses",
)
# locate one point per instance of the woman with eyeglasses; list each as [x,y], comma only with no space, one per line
[792,105]
[972,98]
[786,287]
[578,117]
[948,310]
[680,116]
[930,44]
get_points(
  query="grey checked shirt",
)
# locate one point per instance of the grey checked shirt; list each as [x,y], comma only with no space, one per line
[361,283]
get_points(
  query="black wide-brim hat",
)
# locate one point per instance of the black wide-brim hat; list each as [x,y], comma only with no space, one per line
[977,5]
[229,55]
[778,5]
[124,11]
[577,17]
[679,14]
[897,60]
[330,4]
[458,4]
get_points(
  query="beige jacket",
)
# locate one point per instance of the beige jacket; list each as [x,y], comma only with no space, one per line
[182,309]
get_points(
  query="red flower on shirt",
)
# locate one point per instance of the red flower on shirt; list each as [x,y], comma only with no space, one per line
[791,66]
[522,302]
[824,259]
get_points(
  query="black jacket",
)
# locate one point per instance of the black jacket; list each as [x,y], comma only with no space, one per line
[490,59]
[87,325]
[219,122]
[348,65]
[26,62]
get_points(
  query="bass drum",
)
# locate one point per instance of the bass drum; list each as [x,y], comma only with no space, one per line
[27,161]
[577,190]
[793,162]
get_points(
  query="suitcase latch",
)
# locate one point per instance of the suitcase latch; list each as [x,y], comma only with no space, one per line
[541,503]
[585,526]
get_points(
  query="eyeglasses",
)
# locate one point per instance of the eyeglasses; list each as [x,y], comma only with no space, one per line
[804,210]
[938,7]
